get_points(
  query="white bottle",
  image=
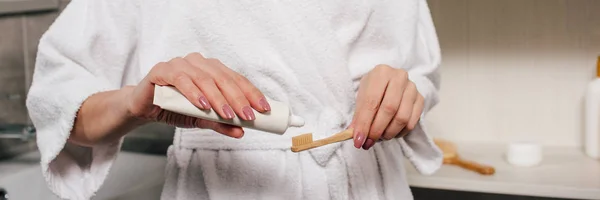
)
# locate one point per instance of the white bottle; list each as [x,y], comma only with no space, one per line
[592,116]
[275,121]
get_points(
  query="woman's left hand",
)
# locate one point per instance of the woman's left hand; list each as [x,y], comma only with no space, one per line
[387,104]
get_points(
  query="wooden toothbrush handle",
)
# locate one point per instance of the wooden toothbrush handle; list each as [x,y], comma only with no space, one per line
[482,169]
[338,137]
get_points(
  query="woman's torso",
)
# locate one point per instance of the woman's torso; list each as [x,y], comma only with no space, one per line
[308,54]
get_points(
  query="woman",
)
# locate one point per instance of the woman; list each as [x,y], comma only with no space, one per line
[369,65]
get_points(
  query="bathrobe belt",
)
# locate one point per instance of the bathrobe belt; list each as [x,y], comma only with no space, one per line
[326,123]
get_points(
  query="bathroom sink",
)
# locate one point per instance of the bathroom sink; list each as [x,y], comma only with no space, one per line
[133,176]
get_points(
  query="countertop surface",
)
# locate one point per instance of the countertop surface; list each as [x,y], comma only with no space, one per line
[32,160]
[565,172]
[133,176]
[19,163]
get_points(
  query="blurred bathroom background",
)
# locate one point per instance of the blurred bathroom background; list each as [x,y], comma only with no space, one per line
[515,69]
[512,70]
[21,26]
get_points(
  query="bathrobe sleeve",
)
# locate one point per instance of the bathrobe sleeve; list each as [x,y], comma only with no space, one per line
[86,50]
[418,147]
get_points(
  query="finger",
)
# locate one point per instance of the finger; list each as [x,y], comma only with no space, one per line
[175,119]
[204,80]
[183,121]
[215,97]
[225,129]
[360,131]
[183,81]
[230,90]
[370,94]
[415,116]
[402,117]
[173,73]
[388,109]
[351,126]
[416,113]
[237,102]
[254,95]
[402,133]
[368,144]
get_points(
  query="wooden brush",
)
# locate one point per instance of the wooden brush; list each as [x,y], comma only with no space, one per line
[451,157]
[305,141]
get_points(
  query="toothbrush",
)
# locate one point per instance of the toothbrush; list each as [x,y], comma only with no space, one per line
[305,141]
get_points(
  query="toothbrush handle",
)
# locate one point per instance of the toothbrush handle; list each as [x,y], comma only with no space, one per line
[338,137]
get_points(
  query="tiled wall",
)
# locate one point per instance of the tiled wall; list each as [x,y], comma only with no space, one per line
[514,69]
[19,35]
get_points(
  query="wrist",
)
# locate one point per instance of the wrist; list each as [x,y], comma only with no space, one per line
[125,106]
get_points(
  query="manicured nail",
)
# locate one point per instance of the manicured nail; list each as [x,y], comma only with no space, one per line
[228,111]
[204,103]
[265,104]
[359,141]
[368,144]
[248,113]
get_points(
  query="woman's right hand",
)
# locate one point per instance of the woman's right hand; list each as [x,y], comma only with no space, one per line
[206,83]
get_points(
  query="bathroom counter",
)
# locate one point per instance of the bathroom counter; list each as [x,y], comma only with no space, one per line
[19,163]
[133,176]
[31,160]
[565,172]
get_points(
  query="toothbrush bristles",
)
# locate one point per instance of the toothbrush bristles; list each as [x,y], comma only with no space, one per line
[302,139]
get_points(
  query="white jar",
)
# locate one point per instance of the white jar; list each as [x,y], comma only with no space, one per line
[524,154]
[592,117]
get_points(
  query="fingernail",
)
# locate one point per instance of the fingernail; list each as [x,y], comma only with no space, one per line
[228,111]
[204,102]
[359,141]
[368,144]
[248,113]
[265,104]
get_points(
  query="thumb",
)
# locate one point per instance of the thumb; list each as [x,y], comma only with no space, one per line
[225,129]
[351,124]
[184,121]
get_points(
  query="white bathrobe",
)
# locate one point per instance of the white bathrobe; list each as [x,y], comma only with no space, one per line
[309,54]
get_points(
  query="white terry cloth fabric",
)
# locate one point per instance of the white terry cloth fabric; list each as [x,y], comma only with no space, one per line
[200,170]
[309,54]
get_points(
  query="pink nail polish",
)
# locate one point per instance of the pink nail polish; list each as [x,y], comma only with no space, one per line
[228,111]
[248,113]
[204,102]
[359,141]
[368,144]
[263,103]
